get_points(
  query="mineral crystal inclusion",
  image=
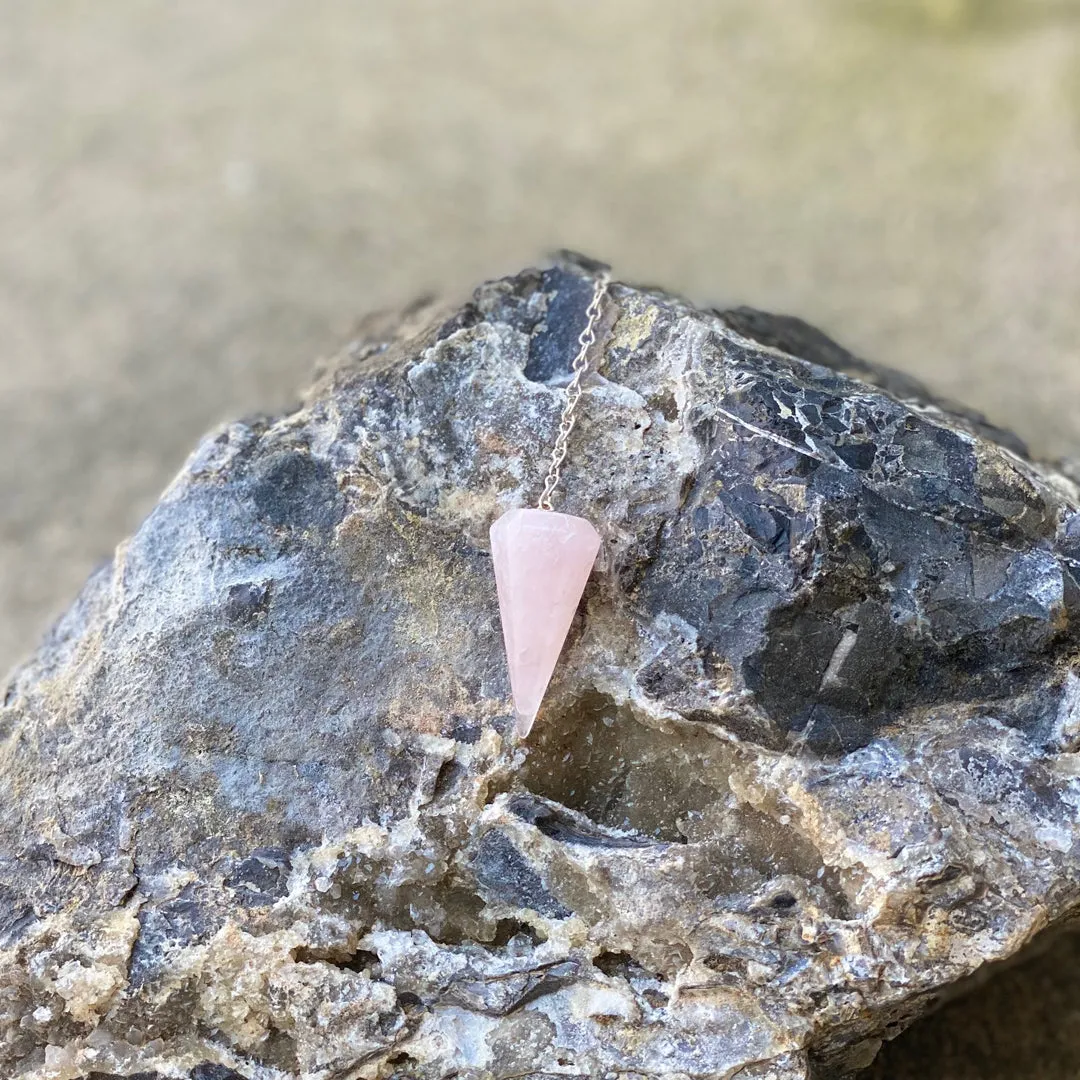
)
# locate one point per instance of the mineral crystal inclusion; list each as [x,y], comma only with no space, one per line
[542,562]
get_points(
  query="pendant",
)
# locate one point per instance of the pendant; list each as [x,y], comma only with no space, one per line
[542,561]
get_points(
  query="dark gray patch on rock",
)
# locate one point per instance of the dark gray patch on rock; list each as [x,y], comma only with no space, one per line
[292,490]
[166,927]
[210,1071]
[553,347]
[504,875]
[261,879]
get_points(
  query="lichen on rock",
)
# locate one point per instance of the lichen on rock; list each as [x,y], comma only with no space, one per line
[808,763]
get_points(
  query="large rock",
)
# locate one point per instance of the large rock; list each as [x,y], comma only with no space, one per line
[808,763]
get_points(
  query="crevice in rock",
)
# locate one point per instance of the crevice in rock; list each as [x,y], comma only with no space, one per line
[445,904]
[278,1050]
[513,932]
[569,827]
[597,759]
[450,773]
[620,965]
[599,777]
[363,961]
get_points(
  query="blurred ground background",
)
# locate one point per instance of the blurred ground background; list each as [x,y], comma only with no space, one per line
[198,199]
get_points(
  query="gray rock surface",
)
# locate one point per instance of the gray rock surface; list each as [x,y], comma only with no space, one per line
[808,764]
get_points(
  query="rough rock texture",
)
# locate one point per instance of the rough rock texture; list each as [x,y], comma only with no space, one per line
[809,760]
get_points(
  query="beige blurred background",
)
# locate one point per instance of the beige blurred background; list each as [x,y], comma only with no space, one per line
[198,199]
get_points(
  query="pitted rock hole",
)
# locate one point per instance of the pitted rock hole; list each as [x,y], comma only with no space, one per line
[621,965]
[598,759]
[421,896]
[363,961]
[594,762]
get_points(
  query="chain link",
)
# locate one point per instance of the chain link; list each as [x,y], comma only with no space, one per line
[586,340]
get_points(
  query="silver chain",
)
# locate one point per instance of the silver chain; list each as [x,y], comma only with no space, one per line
[586,340]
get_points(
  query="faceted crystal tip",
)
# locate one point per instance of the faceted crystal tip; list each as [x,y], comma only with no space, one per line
[523,722]
[542,561]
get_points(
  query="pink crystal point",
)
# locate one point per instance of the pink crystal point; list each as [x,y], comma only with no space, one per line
[542,562]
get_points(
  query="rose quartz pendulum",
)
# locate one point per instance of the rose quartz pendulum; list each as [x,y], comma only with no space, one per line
[542,562]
